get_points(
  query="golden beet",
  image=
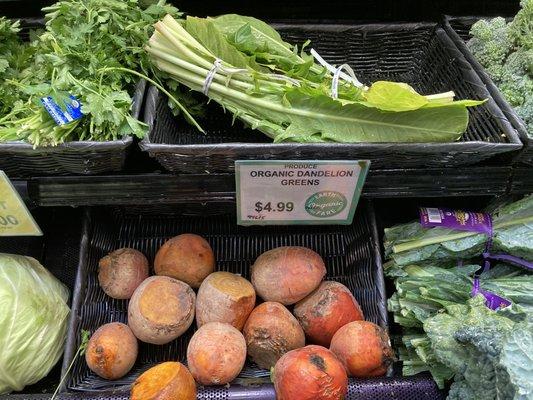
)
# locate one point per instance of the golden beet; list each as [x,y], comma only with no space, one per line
[188,258]
[111,351]
[364,349]
[326,310]
[224,297]
[287,274]
[216,354]
[270,332]
[161,309]
[310,373]
[165,381]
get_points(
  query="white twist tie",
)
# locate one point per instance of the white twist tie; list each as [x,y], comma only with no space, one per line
[217,66]
[210,75]
[336,76]
[350,77]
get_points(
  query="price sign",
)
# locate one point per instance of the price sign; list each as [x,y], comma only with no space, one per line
[15,219]
[298,192]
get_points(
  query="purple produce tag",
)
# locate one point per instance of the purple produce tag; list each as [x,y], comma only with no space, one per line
[456,219]
[492,300]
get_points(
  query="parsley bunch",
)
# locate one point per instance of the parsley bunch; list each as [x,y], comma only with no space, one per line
[92,50]
[9,47]
[15,55]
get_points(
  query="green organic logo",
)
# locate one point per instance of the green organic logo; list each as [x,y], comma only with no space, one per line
[325,204]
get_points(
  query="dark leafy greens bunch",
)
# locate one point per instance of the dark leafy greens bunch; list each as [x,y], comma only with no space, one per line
[243,64]
[411,243]
[451,336]
[426,290]
[92,50]
[448,333]
[490,352]
[506,51]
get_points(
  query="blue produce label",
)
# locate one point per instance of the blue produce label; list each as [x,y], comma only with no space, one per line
[64,110]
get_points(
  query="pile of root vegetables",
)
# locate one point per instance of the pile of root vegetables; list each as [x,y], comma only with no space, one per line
[232,326]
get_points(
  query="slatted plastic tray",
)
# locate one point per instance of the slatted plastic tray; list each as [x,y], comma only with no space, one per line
[419,387]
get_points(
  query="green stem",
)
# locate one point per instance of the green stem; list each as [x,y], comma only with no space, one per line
[67,372]
[446,97]
[244,80]
[177,41]
[454,236]
[220,76]
[162,89]
[169,41]
[180,31]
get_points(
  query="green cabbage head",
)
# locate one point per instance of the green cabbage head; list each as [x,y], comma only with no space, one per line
[33,321]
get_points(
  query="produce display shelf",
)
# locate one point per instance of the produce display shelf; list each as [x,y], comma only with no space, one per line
[158,188]
[65,227]
[91,198]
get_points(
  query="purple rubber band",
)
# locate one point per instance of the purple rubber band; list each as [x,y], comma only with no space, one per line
[517,261]
[492,300]
[488,245]
[472,222]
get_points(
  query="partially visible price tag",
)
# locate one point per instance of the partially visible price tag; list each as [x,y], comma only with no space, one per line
[63,109]
[15,219]
[298,192]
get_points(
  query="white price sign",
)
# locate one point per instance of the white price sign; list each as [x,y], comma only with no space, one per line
[298,192]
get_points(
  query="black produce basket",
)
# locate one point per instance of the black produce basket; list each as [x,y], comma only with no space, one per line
[420,54]
[459,30]
[351,254]
[21,160]
[59,251]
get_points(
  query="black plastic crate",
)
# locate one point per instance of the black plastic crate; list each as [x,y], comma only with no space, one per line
[351,254]
[58,250]
[420,54]
[19,159]
[459,30]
